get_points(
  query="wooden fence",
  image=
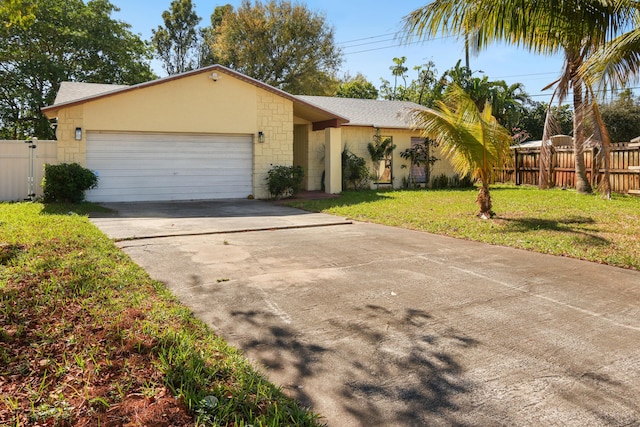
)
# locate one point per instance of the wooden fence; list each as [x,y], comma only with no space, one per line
[624,167]
[17,159]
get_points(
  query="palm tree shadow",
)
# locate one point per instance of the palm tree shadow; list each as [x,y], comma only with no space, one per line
[573,225]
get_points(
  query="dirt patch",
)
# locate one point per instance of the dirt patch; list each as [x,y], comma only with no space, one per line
[63,368]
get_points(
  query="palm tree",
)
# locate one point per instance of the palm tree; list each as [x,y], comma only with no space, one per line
[473,140]
[576,28]
[618,62]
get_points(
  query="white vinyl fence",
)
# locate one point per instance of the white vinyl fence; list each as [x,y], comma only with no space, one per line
[22,167]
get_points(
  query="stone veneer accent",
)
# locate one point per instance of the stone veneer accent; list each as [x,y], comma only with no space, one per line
[70,150]
[275,119]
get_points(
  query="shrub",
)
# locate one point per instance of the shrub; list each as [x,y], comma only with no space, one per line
[67,182]
[354,171]
[461,182]
[284,181]
[440,181]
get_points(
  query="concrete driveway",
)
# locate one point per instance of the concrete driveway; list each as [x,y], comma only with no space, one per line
[379,326]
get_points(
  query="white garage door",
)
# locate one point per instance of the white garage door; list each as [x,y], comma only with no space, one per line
[146,167]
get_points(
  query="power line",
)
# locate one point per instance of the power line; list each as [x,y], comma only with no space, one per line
[368,38]
[392,46]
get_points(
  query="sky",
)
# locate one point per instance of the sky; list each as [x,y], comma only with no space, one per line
[365,30]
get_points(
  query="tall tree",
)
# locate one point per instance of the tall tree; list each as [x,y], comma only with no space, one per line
[533,117]
[177,43]
[472,139]
[622,117]
[575,28]
[17,12]
[68,41]
[282,44]
[398,69]
[207,36]
[357,87]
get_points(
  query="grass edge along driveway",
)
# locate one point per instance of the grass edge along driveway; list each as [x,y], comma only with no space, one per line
[87,338]
[557,222]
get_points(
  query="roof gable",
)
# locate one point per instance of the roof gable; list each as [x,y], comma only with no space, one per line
[74,93]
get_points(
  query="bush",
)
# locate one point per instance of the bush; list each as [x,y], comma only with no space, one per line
[67,182]
[440,181]
[461,182]
[284,181]
[354,171]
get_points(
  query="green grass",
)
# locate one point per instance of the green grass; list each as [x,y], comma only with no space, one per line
[551,221]
[86,336]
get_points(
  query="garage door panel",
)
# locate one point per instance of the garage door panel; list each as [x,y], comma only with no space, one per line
[145,167]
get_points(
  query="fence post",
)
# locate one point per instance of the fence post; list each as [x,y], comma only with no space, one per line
[516,167]
[31,184]
[594,167]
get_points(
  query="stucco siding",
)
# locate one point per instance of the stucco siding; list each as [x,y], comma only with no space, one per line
[316,160]
[356,139]
[194,104]
[191,105]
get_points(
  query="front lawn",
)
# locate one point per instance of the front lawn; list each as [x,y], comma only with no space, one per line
[552,221]
[87,338]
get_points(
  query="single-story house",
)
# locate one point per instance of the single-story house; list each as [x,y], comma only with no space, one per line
[215,133]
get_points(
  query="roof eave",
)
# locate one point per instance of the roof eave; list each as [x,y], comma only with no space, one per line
[330,115]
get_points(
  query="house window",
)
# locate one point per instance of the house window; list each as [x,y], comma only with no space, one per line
[385,165]
[419,173]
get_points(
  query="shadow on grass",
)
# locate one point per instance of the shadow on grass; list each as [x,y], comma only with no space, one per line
[84,208]
[351,198]
[570,225]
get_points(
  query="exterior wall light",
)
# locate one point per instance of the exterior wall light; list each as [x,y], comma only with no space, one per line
[261,137]
[78,134]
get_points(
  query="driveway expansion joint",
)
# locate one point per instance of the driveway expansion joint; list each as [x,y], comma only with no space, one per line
[243,230]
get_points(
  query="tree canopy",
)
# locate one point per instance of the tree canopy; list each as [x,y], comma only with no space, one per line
[622,117]
[177,43]
[68,41]
[282,44]
[357,87]
[575,28]
[16,12]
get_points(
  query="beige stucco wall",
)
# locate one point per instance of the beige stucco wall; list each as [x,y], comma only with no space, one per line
[356,139]
[193,104]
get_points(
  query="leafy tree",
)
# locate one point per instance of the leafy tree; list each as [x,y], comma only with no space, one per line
[576,28]
[68,41]
[17,12]
[507,101]
[533,118]
[471,139]
[282,44]
[357,87]
[622,117]
[207,36]
[176,44]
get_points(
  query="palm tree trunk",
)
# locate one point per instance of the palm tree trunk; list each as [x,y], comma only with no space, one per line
[582,184]
[484,201]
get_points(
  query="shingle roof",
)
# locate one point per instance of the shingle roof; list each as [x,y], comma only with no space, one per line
[73,91]
[367,112]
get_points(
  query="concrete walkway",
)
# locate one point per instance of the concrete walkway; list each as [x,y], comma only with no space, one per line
[372,325]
